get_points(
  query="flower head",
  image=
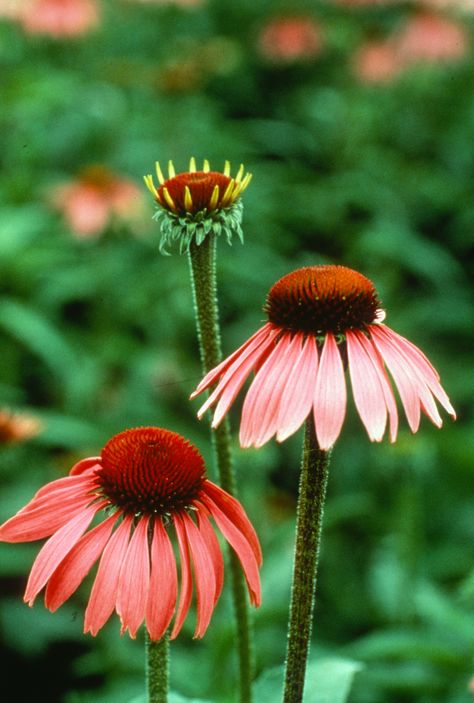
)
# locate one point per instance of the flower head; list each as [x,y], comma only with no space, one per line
[323,320]
[94,199]
[17,427]
[59,18]
[290,39]
[194,204]
[147,483]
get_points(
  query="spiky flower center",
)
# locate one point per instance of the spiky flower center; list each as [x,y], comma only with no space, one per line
[201,187]
[320,299]
[151,470]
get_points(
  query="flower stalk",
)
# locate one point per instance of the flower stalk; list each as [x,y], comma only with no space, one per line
[312,493]
[157,669]
[202,260]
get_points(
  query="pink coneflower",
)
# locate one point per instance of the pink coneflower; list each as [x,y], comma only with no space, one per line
[146,483]
[430,38]
[59,18]
[377,62]
[17,427]
[94,199]
[323,320]
[289,39]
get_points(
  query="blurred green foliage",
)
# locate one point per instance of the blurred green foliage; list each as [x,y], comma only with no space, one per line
[97,334]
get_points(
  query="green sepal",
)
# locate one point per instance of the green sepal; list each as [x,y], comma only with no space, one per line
[186,228]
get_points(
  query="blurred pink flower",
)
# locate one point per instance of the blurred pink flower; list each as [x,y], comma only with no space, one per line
[89,203]
[289,39]
[377,62]
[148,482]
[59,18]
[431,38]
[17,427]
[322,321]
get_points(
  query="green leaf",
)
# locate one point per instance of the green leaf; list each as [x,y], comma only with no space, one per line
[327,681]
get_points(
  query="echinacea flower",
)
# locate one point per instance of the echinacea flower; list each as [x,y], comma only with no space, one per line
[59,18]
[147,482]
[196,203]
[290,39]
[321,321]
[17,427]
[94,199]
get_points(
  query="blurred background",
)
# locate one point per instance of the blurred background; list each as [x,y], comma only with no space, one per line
[356,118]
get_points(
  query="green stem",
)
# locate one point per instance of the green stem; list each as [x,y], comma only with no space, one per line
[202,261]
[312,492]
[157,669]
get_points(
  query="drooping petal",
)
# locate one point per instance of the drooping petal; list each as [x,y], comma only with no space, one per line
[329,403]
[212,543]
[425,369]
[85,465]
[384,381]
[403,375]
[367,391]
[231,507]
[66,483]
[76,565]
[204,575]
[163,583]
[240,545]
[297,397]
[46,515]
[56,548]
[186,589]
[264,397]
[219,370]
[235,377]
[261,403]
[134,580]
[104,590]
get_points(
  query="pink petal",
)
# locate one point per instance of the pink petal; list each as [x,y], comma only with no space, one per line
[405,382]
[329,403]
[219,370]
[424,368]
[260,409]
[297,397]
[204,575]
[44,516]
[134,580]
[85,465]
[104,590]
[235,377]
[387,390]
[76,565]
[366,388]
[240,545]
[55,549]
[231,507]
[186,582]
[65,483]
[212,543]
[163,583]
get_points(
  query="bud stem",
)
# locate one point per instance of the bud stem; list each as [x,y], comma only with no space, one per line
[312,492]
[202,260]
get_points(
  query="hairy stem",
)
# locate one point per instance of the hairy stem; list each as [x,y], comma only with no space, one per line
[157,669]
[312,492]
[202,260]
